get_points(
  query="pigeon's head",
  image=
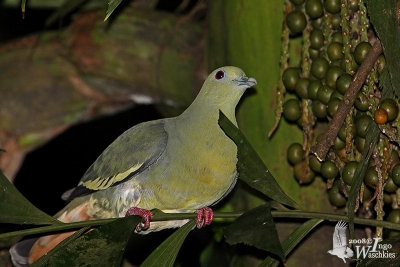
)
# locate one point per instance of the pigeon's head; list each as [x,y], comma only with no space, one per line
[225,86]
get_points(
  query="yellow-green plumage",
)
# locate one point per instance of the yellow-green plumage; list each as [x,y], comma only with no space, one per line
[177,164]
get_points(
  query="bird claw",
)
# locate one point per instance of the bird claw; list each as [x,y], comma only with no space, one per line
[204,217]
[145,214]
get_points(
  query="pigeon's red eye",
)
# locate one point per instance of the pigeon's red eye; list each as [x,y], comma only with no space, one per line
[219,75]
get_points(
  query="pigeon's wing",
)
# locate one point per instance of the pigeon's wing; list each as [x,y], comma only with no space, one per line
[340,236]
[130,154]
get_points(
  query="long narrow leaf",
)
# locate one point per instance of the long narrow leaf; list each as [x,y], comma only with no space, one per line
[112,5]
[383,15]
[165,254]
[255,228]
[251,168]
[370,142]
[43,261]
[102,246]
[292,241]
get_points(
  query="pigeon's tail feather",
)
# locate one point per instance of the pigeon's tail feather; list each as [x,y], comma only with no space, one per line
[20,252]
[46,243]
[28,251]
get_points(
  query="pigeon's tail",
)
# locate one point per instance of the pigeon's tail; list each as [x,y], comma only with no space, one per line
[30,250]
[20,252]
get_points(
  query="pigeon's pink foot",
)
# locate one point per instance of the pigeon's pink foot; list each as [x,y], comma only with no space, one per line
[204,217]
[145,214]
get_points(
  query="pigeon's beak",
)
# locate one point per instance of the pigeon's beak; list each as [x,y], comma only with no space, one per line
[246,82]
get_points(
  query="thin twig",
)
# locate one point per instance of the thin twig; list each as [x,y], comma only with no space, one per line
[322,148]
[280,90]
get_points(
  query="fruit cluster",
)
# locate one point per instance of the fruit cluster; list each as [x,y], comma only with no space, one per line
[336,38]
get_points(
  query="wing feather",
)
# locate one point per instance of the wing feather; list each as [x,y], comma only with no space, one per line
[131,153]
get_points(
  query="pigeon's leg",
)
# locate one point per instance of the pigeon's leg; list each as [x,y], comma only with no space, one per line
[204,217]
[145,214]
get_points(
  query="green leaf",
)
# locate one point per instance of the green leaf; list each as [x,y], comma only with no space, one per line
[102,246]
[256,228]
[43,261]
[112,5]
[370,142]
[165,254]
[383,15]
[15,208]
[292,241]
[251,168]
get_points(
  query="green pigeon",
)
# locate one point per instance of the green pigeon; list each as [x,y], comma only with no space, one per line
[180,164]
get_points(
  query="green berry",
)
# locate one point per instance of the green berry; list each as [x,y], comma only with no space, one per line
[319,67]
[348,172]
[390,186]
[332,75]
[329,170]
[316,39]
[302,88]
[324,94]
[337,37]
[361,51]
[313,89]
[391,108]
[371,177]
[362,123]
[396,175]
[296,21]
[314,163]
[335,51]
[303,173]
[332,6]
[290,77]
[314,9]
[361,102]
[333,106]
[343,83]
[291,110]
[295,153]
[335,198]
[319,109]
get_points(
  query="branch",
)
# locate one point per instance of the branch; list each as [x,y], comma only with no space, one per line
[322,148]
[160,216]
